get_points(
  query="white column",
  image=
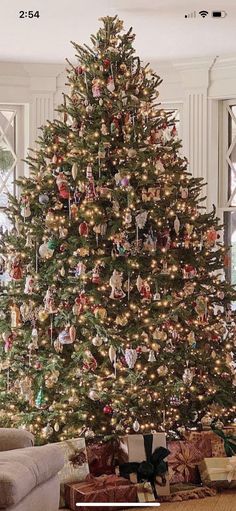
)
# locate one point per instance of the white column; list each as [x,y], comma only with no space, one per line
[199,122]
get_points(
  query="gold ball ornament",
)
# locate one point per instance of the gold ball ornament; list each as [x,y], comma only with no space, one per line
[42,315]
[162,370]
[100,313]
[121,320]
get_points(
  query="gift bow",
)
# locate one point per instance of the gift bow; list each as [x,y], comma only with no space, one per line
[230,469]
[229,441]
[104,481]
[152,467]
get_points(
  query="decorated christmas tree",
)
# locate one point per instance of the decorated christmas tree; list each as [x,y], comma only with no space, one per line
[115,313]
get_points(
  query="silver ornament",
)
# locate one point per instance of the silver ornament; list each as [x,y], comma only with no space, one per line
[93,395]
[136,426]
[188,376]
[130,357]
[97,340]
[43,199]
[151,356]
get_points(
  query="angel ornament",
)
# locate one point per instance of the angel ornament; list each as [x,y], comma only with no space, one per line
[29,285]
[49,303]
[116,285]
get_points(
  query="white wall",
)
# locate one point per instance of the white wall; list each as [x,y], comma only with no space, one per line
[196,86]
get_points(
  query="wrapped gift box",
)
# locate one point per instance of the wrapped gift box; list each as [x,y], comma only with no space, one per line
[217,444]
[76,464]
[108,488]
[101,457]
[132,450]
[219,472]
[184,458]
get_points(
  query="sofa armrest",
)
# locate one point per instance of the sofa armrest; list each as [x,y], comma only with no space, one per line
[15,439]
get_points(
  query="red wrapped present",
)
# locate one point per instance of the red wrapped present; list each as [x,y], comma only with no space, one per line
[184,457]
[101,457]
[108,488]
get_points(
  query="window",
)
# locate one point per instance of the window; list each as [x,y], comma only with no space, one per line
[11,151]
[176,110]
[227,181]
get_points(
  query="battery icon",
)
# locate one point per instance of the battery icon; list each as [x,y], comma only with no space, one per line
[219,14]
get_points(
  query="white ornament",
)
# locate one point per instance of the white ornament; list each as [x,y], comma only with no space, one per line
[29,285]
[45,252]
[74,171]
[151,356]
[176,225]
[93,395]
[111,84]
[64,337]
[130,357]
[141,219]
[47,431]
[116,285]
[97,340]
[136,426]
[112,354]
[188,376]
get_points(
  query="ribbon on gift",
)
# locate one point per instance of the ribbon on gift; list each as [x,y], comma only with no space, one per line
[145,492]
[153,469]
[229,441]
[105,481]
[230,470]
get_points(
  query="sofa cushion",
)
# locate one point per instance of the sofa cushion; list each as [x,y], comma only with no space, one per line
[22,470]
[11,438]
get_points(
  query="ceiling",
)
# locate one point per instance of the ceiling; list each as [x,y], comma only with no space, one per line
[163,33]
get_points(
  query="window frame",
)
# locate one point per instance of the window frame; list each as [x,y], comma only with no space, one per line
[19,142]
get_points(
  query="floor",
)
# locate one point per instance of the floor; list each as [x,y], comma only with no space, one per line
[222,502]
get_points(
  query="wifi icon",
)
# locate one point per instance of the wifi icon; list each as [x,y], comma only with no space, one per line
[203,14]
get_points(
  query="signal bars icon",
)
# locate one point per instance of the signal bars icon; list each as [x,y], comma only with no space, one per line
[191,15]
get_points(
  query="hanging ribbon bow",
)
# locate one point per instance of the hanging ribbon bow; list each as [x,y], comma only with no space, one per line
[229,441]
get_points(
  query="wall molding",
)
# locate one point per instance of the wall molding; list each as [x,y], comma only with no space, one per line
[197,85]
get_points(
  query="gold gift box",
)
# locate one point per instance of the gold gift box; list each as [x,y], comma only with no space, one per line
[218,472]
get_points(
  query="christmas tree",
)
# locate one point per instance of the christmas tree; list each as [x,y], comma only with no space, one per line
[115,313]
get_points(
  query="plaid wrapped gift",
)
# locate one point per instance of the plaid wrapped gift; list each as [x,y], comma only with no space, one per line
[219,472]
[217,444]
[184,458]
[107,488]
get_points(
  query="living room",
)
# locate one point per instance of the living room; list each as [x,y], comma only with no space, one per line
[118,255]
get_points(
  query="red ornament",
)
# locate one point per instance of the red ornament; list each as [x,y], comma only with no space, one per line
[63,247]
[108,410]
[62,185]
[106,63]
[79,70]
[83,229]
